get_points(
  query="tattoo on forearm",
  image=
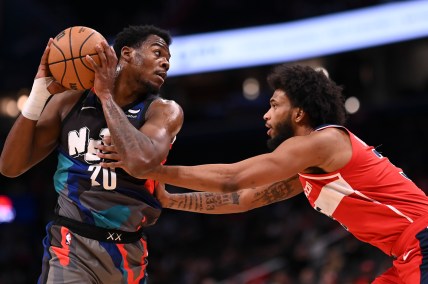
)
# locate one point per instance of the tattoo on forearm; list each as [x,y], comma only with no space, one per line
[185,201]
[116,120]
[174,203]
[275,192]
[235,198]
[207,201]
[190,200]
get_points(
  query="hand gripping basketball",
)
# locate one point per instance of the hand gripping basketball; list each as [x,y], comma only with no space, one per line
[67,57]
[105,70]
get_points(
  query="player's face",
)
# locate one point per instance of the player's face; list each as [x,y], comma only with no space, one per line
[278,119]
[151,61]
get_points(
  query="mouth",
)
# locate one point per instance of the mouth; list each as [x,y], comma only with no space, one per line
[269,131]
[161,74]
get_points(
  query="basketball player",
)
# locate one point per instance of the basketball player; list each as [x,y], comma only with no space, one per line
[341,176]
[98,233]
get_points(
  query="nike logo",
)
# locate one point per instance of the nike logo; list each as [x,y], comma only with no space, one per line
[134,111]
[406,255]
[88,107]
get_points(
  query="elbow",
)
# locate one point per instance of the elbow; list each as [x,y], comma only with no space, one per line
[139,167]
[230,185]
[233,178]
[136,170]
[9,171]
[234,182]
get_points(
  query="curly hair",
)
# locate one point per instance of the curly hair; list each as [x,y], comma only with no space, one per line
[134,36]
[311,90]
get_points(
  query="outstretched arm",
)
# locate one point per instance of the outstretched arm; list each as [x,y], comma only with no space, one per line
[328,150]
[286,161]
[226,203]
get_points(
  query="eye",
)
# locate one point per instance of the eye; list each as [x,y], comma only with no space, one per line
[157,53]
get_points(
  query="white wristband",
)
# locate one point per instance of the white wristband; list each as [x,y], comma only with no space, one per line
[37,99]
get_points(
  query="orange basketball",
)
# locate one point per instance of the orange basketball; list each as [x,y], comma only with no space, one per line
[67,57]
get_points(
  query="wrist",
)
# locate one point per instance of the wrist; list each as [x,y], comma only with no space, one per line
[37,99]
[103,95]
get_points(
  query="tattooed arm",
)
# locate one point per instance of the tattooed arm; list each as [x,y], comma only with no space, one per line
[142,149]
[234,202]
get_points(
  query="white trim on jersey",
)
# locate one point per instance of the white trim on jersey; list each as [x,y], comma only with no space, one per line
[332,193]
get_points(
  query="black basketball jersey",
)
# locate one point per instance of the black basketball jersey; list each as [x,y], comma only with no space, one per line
[108,198]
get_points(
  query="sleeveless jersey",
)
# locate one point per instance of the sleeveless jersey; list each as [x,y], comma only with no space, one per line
[369,196]
[108,198]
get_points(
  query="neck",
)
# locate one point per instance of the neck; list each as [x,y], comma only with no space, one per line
[303,130]
[125,92]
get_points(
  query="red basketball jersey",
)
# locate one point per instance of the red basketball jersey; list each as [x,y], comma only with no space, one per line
[369,196]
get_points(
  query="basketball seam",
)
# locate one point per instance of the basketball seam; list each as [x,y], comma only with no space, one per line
[65,67]
[71,58]
[72,55]
[80,52]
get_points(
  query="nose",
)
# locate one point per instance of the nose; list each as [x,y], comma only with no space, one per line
[266,116]
[165,64]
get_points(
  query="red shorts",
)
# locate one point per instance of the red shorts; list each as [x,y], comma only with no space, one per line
[410,264]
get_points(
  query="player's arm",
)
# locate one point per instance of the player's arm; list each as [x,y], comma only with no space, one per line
[34,133]
[235,202]
[291,157]
[144,148]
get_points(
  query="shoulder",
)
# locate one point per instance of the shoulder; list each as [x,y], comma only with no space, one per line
[316,140]
[328,140]
[66,98]
[322,149]
[65,101]
[165,113]
[165,102]
[165,107]
[333,146]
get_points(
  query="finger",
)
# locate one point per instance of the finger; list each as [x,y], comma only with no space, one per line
[106,148]
[45,55]
[101,54]
[110,54]
[56,88]
[101,147]
[91,62]
[107,140]
[43,70]
[105,46]
[111,165]
[109,156]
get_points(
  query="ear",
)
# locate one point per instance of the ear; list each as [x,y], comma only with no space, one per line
[299,114]
[126,53]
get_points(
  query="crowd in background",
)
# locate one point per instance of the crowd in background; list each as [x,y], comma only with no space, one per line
[283,243]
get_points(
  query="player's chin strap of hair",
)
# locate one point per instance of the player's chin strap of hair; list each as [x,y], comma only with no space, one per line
[38,97]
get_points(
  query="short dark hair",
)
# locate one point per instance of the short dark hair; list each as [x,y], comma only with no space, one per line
[134,36]
[311,90]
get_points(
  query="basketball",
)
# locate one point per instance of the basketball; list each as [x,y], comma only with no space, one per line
[67,54]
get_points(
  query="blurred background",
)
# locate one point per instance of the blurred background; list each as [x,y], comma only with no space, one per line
[223,50]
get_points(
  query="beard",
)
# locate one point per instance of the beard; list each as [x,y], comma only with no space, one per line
[149,87]
[285,131]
